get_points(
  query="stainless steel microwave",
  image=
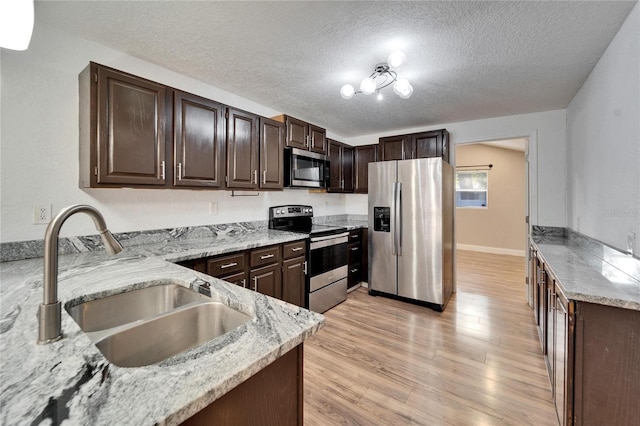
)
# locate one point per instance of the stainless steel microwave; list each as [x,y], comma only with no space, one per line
[304,169]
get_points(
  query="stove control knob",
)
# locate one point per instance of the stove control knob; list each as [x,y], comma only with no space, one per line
[281,211]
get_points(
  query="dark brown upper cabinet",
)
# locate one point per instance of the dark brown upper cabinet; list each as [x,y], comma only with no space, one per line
[395,148]
[340,167]
[364,155]
[431,144]
[303,135]
[434,143]
[272,137]
[199,141]
[242,149]
[122,129]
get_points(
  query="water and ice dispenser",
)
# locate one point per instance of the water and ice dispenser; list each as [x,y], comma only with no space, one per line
[382,219]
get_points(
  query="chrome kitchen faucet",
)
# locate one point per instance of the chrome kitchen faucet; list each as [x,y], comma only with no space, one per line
[50,310]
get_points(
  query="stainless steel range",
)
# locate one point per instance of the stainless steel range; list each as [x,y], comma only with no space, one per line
[327,282]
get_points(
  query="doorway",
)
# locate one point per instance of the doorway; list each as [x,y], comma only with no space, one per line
[493,198]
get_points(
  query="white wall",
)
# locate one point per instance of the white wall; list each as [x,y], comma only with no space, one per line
[603,134]
[39,147]
[547,149]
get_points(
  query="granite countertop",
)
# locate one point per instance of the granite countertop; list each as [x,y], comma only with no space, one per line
[585,277]
[71,381]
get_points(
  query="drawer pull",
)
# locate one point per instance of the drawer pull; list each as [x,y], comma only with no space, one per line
[228,265]
[244,283]
[355,248]
[267,256]
[296,249]
[354,270]
[255,283]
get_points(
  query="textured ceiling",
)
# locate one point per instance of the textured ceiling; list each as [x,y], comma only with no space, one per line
[465,60]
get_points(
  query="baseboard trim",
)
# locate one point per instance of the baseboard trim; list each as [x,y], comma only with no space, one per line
[492,250]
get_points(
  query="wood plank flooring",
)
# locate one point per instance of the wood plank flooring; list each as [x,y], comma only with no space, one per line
[383,362]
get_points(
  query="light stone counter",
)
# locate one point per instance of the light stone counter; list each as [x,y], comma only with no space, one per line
[70,381]
[609,278]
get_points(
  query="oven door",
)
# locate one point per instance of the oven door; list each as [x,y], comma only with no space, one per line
[306,169]
[327,260]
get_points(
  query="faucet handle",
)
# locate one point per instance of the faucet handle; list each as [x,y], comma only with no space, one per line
[201,286]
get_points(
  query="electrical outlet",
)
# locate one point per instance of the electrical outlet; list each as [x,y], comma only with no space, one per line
[213,208]
[41,214]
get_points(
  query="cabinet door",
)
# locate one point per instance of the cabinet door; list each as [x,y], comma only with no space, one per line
[549,325]
[239,279]
[347,168]
[199,141]
[242,149]
[394,148]
[560,359]
[364,272]
[317,139]
[131,120]
[272,135]
[428,144]
[364,155]
[266,280]
[297,131]
[293,280]
[335,166]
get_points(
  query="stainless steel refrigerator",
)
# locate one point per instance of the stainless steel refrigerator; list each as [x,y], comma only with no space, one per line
[411,233]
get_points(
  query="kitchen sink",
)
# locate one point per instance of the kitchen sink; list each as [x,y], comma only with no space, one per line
[148,325]
[131,306]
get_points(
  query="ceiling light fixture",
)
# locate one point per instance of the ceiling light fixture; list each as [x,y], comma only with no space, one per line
[16,24]
[381,77]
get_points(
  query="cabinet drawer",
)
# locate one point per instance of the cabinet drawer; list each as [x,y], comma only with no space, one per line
[226,265]
[239,278]
[295,249]
[355,275]
[354,253]
[355,236]
[265,256]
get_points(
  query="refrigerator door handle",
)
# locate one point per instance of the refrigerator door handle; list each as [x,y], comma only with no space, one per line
[397,219]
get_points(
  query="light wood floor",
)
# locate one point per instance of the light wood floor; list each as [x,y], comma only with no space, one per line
[383,362]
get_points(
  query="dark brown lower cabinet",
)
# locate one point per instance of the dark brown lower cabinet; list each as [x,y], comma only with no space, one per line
[293,276]
[592,353]
[266,280]
[273,396]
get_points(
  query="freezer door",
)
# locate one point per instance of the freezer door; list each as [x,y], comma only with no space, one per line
[420,262]
[382,260]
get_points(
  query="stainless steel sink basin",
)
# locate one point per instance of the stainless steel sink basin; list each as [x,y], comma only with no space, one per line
[131,306]
[148,325]
[170,334]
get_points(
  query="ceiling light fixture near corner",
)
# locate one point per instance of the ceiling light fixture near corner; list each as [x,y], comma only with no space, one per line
[16,24]
[381,77]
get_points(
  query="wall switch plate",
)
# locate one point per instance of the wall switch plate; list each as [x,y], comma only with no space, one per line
[41,214]
[213,208]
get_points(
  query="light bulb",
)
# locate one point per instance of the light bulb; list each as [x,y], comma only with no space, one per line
[396,59]
[16,24]
[380,97]
[347,91]
[403,88]
[368,86]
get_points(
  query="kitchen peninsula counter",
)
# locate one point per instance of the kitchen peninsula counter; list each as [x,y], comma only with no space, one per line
[71,381]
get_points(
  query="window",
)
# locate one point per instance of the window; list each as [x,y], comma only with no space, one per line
[472,188]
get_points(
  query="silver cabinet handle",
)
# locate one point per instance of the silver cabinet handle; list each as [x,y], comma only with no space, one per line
[296,249]
[305,267]
[162,169]
[266,256]
[355,248]
[228,265]
[264,177]
[255,283]
[255,176]
[179,171]
[244,283]
[354,270]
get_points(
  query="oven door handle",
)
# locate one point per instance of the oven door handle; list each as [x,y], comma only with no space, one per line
[329,237]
